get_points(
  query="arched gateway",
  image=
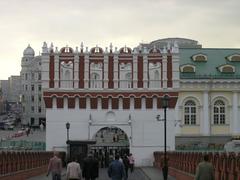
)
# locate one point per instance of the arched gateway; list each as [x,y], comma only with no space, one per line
[109,140]
[117,106]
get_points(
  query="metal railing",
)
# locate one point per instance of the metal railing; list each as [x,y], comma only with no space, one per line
[22,145]
[209,76]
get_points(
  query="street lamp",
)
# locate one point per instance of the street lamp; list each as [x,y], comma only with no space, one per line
[67,127]
[165,99]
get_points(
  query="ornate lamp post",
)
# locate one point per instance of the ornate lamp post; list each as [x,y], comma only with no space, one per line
[165,101]
[67,127]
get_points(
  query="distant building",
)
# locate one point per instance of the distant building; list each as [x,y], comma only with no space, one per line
[31,88]
[4,86]
[2,104]
[14,89]
[11,91]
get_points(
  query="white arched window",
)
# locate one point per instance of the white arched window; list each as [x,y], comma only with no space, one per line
[190,113]
[219,112]
[128,80]
[66,75]
[94,81]
[96,71]
[154,75]
[125,76]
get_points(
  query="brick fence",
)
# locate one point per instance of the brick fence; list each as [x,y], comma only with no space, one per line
[22,165]
[182,165]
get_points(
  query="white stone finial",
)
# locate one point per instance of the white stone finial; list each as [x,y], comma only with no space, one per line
[44,47]
[51,46]
[81,45]
[76,50]
[116,51]
[106,50]
[125,49]
[111,46]
[56,49]
[86,50]
[140,47]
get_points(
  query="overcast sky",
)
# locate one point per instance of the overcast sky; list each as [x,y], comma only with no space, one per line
[214,23]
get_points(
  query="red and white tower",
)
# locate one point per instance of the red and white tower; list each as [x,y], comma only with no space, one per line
[94,89]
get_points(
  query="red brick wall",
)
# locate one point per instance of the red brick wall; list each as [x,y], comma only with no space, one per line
[182,165]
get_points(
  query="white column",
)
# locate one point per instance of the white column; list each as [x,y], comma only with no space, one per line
[88,107]
[235,124]
[135,71]
[206,119]
[110,103]
[115,69]
[65,103]
[131,103]
[120,103]
[145,71]
[154,103]
[105,80]
[99,103]
[86,71]
[175,71]
[143,103]
[164,64]
[76,70]
[77,102]
[56,70]
[54,103]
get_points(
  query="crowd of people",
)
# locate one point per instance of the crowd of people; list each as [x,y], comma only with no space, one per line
[117,170]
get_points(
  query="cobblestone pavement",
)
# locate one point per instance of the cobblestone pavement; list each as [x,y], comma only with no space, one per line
[136,175]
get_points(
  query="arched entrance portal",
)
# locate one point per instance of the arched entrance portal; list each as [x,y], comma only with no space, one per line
[109,141]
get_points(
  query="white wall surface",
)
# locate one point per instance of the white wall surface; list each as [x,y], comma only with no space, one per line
[145,133]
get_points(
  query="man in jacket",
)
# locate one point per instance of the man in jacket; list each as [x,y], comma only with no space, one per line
[73,170]
[90,168]
[55,167]
[116,169]
[205,169]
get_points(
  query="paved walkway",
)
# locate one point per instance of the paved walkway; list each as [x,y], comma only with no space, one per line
[144,173]
[154,173]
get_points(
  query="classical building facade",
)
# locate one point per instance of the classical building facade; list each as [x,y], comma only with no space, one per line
[31,89]
[96,90]
[207,110]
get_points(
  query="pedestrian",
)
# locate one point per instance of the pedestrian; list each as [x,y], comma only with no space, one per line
[116,169]
[27,131]
[90,168]
[55,166]
[126,164]
[74,171]
[204,169]
[131,162]
[41,127]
